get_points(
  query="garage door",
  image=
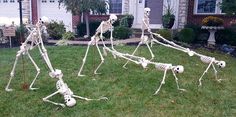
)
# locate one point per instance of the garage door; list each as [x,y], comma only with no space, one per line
[9,11]
[50,9]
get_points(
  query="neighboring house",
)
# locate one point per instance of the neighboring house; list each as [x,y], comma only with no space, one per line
[186,11]
[34,9]
[199,9]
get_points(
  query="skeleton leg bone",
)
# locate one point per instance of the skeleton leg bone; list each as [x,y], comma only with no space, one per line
[124,66]
[200,79]
[38,71]
[177,83]
[150,51]
[102,60]
[162,82]
[84,59]
[215,72]
[19,53]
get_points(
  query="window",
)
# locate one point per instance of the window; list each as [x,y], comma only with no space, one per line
[52,1]
[5,1]
[44,1]
[12,1]
[115,6]
[207,7]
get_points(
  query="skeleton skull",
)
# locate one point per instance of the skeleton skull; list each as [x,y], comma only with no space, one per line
[113,18]
[70,101]
[179,69]
[44,20]
[147,11]
[221,64]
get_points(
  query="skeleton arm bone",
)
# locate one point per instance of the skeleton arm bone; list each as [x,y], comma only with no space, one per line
[46,99]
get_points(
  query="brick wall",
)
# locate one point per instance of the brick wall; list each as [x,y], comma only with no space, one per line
[197,19]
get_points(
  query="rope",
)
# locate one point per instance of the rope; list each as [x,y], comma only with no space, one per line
[25,85]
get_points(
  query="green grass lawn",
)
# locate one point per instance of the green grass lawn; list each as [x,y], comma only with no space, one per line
[129,91]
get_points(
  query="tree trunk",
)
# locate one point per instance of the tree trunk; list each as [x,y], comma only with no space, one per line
[87,23]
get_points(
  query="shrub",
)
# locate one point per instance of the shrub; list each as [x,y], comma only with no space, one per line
[55,29]
[81,28]
[165,33]
[226,36]
[186,35]
[201,36]
[122,32]
[16,41]
[68,36]
[212,21]
[127,21]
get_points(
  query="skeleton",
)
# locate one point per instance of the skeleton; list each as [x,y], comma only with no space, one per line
[205,59]
[64,90]
[144,39]
[35,40]
[103,27]
[159,66]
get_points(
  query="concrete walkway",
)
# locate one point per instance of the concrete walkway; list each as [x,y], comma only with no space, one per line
[126,41]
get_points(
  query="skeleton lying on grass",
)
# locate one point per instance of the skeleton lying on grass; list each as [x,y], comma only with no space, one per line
[144,63]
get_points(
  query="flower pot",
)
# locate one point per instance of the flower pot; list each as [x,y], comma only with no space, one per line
[168,21]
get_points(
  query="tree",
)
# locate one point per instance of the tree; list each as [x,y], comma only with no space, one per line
[77,7]
[229,7]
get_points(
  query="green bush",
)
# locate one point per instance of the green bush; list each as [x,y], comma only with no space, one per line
[186,35]
[165,33]
[226,36]
[16,41]
[81,28]
[55,29]
[201,36]
[68,36]
[127,21]
[122,32]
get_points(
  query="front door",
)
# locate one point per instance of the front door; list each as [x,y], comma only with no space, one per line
[156,7]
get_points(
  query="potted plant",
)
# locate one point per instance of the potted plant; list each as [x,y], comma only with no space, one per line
[168,19]
[212,24]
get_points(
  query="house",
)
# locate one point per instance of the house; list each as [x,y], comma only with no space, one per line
[186,11]
[199,9]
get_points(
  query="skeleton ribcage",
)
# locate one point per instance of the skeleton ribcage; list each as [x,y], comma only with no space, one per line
[206,59]
[162,67]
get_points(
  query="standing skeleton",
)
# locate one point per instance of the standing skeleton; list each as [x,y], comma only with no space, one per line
[144,39]
[36,41]
[103,27]
[159,66]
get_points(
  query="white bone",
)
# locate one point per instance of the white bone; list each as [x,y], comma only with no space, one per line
[144,63]
[205,59]
[102,28]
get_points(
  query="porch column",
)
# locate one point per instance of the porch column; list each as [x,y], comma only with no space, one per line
[183,12]
[34,9]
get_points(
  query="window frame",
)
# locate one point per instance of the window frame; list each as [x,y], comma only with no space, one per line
[121,8]
[218,11]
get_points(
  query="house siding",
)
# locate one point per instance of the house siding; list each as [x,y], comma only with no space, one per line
[197,19]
